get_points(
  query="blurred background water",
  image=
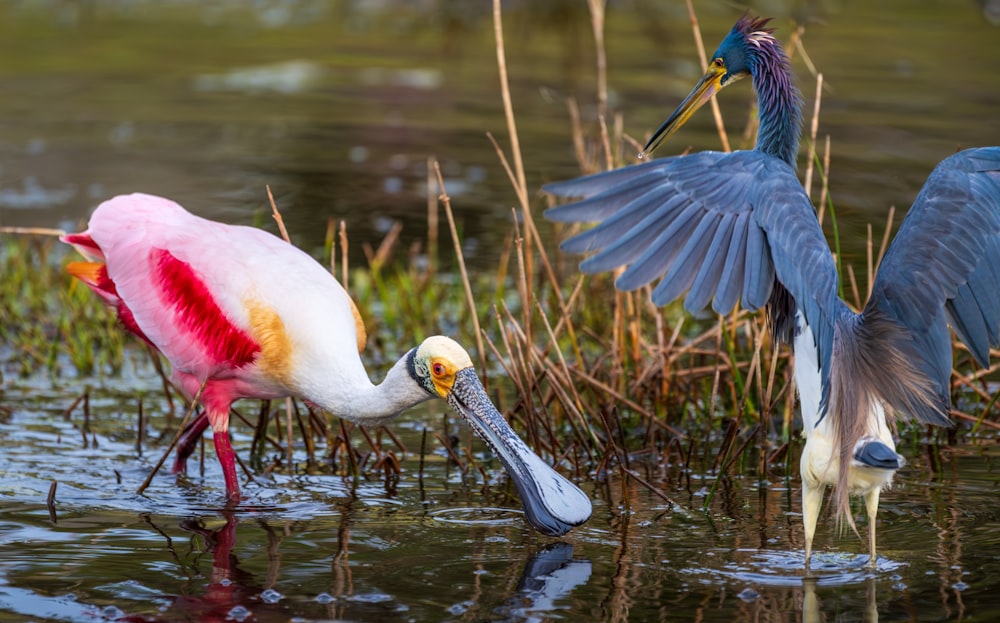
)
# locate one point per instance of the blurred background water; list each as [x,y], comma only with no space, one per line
[338,105]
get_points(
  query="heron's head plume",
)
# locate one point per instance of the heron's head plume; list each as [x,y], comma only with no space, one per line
[750,49]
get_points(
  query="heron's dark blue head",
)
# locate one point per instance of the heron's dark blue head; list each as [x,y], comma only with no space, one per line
[749,49]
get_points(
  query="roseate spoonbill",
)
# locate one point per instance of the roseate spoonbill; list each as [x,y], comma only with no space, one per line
[729,227]
[240,313]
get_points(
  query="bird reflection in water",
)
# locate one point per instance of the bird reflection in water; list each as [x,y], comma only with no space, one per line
[232,593]
[548,576]
[811,603]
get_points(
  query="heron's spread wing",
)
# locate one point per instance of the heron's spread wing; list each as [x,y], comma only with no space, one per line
[944,264]
[720,227]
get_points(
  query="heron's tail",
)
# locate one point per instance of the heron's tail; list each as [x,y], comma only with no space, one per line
[875,363]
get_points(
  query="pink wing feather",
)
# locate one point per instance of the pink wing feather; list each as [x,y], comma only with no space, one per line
[190,285]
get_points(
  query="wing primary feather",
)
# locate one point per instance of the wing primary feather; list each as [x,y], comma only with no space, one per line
[681,275]
[706,282]
[646,213]
[758,278]
[606,181]
[731,279]
[606,204]
[660,254]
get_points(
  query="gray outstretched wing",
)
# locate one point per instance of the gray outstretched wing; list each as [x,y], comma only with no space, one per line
[721,227]
[943,267]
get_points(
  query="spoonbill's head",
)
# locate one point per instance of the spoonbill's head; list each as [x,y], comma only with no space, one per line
[552,504]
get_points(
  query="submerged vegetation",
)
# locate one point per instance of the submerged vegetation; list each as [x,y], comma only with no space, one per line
[594,379]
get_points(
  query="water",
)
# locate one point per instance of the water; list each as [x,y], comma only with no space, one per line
[445,548]
[337,107]
[440,546]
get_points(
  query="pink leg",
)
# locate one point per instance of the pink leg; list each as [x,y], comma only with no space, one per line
[188,441]
[216,398]
[224,450]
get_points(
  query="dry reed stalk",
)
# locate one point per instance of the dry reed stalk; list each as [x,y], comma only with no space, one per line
[604,388]
[277,216]
[825,188]
[560,383]
[525,264]
[451,453]
[381,256]
[713,398]
[140,430]
[869,260]
[753,374]
[884,246]
[31,231]
[69,410]
[260,431]
[432,222]
[352,460]
[813,129]
[771,373]
[798,45]
[50,501]
[976,420]
[519,354]
[854,286]
[703,58]
[376,446]
[288,401]
[163,458]
[329,243]
[576,134]
[460,258]
[597,26]
[343,256]
[555,347]
[288,435]
[521,187]
[514,374]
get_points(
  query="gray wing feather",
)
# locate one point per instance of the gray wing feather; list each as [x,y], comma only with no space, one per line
[942,267]
[724,228]
[623,247]
[707,281]
[661,254]
[689,262]
[731,279]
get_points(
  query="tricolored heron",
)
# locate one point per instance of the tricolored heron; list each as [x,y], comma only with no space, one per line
[738,227]
[240,313]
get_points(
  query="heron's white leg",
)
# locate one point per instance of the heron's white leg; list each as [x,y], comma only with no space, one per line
[871,504]
[812,501]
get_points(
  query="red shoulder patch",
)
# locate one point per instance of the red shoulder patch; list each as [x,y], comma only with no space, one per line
[183,291]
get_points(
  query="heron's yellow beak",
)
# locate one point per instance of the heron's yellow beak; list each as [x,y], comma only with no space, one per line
[709,85]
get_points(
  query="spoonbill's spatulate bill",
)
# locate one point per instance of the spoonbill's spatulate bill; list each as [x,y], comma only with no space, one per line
[240,313]
[728,228]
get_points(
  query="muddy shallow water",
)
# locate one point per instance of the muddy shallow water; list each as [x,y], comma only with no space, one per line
[437,545]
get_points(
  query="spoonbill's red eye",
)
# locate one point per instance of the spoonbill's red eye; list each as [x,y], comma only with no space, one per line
[439,369]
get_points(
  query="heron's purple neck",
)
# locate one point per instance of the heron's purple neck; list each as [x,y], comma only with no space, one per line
[779,105]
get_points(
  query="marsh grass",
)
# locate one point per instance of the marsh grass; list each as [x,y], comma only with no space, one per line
[597,381]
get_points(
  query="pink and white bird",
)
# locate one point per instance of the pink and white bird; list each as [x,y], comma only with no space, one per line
[240,313]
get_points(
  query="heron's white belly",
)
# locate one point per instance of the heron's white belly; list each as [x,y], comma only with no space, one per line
[820,465]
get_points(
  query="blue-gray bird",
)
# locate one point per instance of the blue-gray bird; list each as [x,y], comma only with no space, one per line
[738,227]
